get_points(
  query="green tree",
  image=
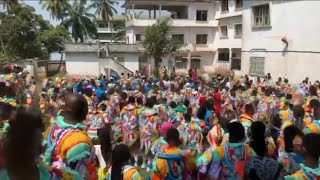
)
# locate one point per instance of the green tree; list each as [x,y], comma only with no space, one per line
[78,18]
[157,42]
[104,8]
[120,28]
[54,40]
[25,34]
[55,7]
[19,30]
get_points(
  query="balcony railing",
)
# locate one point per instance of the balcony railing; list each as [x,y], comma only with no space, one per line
[175,23]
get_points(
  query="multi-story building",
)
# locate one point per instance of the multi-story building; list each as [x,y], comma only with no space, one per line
[2,7]
[112,31]
[281,38]
[193,22]
[228,38]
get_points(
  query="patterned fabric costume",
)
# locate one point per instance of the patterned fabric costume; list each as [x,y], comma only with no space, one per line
[129,173]
[70,147]
[171,164]
[149,132]
[305,173]
[226,161]
[48,173]
[191,134]
[130,126]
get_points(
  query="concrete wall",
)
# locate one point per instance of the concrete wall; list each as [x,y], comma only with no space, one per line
[82,64]
[89,64]
[297,22]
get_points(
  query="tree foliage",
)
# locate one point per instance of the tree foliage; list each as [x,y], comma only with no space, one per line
[157,42]
[120,28]
[79,20]
[55,7]
[104,8]
[24,35]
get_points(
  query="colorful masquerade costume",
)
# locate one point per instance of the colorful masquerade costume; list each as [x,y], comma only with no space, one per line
[47,173]
[232,156]
[129,173]
[305,173]
[246,122]
[313,127]
[97,121]
[158,146]
[286,114]
[69,145]
[10,100]
[130,126]
[172,164]
[149,131]
[215,135]
[289,161]
[192,135]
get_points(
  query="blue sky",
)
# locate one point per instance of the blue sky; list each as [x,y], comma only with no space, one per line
[46,14]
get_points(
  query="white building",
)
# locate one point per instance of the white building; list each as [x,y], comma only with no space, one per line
[2,7]
[192,21]
[107,31]
[281,38]
[93,59]
[228,38]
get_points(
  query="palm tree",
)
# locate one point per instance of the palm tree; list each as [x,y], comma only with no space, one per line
[55,7]
[80,21]
[104,8]
[120,27]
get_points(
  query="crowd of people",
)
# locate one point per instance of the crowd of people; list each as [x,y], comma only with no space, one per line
[167,127]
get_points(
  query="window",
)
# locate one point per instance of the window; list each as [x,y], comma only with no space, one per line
[178,37]
[202,15]
[261,15]
[181,63]
[138,37]
[103,25]
[224,5]
[237,30]
[195,63]
[236,64]
[223,55]
[223,31]
[201,39]
[256,66]
[239,4]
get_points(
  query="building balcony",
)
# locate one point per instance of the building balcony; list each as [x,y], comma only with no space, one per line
[228,14]
[175,23]
[107,30]
[198,47]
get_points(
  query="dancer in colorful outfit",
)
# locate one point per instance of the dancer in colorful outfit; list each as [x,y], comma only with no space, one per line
[314,126]
[171,164]
[68,144]
[149,131]
[228,160]
[310,168]
[290,157]
[120,166]
[22,151]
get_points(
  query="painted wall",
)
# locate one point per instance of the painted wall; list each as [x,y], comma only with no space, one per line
[82,64]
[295,20]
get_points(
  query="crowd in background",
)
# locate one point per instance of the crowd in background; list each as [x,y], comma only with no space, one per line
[159,127]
